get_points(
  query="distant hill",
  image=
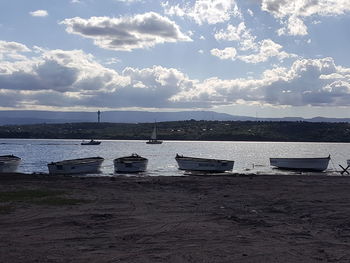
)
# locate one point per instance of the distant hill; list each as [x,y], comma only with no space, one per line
[35,117]
[186,130]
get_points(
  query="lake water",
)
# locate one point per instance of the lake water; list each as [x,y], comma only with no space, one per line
[249,157]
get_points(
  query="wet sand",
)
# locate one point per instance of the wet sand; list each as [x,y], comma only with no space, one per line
[175,219]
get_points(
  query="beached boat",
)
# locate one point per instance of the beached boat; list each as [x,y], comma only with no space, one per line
[91,142]
[153,139]
[76,166]
[130,164]
[9,163]
[312,164]
[203,164]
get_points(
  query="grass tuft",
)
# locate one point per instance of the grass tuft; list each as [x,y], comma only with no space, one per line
[6,209]
[39,197]
[59,201]
[27,195]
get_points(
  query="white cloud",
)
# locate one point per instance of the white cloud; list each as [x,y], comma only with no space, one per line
[250,12]
[205,11]
[292,13]
[6,46]
[306,8]
[267,49]
[39,13]
[58,78]
[126,33]
[296,27]
[12,50]
[240,34]
[227,53]
[112,61]
[317,82]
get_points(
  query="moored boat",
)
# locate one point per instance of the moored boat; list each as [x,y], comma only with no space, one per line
[9,163]
[130,164]
[203,164]
[308,164]
[76,166]
[91,142]
[153,139]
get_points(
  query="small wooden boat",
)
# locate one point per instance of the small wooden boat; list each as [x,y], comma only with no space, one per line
[91,142]
[76,166]
[203,164]
[153,139]
[308,164]
[9,163]
[130,164]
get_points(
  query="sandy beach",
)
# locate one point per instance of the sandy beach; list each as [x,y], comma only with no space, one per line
[174,219]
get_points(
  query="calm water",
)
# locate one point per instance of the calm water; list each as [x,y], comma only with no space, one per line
[248,156]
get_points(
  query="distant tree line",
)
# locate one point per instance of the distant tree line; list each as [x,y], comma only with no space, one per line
[187,130]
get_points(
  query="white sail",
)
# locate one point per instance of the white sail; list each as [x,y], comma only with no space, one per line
[154,133]
[153,139]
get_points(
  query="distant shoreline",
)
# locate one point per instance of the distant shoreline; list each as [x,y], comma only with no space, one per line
[187,131]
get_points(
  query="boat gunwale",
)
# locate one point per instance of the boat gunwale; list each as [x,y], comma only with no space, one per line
[78,161]
[187,158]
[300,158]
[122,159]
[9,158]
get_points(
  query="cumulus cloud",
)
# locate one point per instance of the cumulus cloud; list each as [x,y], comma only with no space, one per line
[227,53]
[205,11]
[12,50]
[259,51]
[317,82]
[58,78]
[292,13]
[239,34]
[266,49]
[149,88]
[126,33]
[54,72]
[39,13]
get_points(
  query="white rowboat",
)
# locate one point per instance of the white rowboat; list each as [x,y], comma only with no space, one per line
[203,164]
[130,164]
[76,166]
[311,164]
[9,163]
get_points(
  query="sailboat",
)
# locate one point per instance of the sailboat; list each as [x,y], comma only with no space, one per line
[91,142]
[153,139]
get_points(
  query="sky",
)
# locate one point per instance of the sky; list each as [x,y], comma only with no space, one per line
[262,58]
